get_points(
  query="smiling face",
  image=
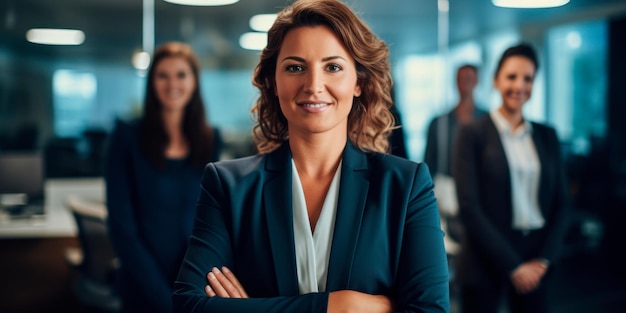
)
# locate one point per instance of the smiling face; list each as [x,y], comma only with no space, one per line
[174,83]
[515,82]
[316,81]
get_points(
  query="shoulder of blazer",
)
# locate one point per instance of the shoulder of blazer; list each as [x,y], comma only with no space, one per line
[274,161]
[377,164]
[478,128]
[545,133]
[390,160]
[543,128]
[545,139]
[239,167]
[125,135]
[127,127]
[485,122]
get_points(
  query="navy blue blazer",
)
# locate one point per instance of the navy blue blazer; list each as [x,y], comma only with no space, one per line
[387,238]
[492,248]
[150,217]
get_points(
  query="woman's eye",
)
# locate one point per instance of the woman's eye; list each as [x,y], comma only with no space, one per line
[334,68]
[181,75]
[295,68]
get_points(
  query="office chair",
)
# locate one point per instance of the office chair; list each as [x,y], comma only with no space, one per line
[95,260]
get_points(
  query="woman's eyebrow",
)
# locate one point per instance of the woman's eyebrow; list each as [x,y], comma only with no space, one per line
[325,59]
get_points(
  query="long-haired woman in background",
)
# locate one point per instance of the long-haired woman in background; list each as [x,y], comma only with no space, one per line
[154,166]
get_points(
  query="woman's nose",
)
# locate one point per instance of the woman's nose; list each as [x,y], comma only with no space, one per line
[519,83]
[314,82]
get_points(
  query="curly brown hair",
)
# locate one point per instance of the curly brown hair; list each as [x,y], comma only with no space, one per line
[370,121]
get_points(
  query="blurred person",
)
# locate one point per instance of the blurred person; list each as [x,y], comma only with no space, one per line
[442,129]
[323,219]
[512,198]
[154,165]
[397,139]
[440,138]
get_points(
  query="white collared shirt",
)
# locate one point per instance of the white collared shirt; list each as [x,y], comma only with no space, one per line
[313,249]
[525,169]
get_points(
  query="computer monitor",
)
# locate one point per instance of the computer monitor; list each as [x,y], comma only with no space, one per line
[22,182]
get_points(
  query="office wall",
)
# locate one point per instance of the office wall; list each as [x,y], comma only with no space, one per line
[25,99]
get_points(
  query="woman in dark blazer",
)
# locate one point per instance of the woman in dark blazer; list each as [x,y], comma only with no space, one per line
[512,197]
[154,166]
[322,220]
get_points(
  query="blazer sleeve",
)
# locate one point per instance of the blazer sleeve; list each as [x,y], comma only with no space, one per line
[558,220]
[210,243]
[422,276]
[122,220]
[430,154]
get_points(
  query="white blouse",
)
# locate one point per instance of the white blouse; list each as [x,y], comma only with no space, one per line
[525,169]
[313,249]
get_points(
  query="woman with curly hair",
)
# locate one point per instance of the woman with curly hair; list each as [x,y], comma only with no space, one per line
[323,219]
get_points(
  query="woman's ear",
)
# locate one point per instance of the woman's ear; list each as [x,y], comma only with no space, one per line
[357,90]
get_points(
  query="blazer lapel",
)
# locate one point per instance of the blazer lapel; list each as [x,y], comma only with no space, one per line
[540,147]
[500,161]
[493,136]
[351,204]
[277,203]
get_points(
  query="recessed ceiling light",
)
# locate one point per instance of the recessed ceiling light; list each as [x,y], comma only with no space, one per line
[51,36]
[203,2]
[141,60]
[529,4]
[253,41]
[262,22]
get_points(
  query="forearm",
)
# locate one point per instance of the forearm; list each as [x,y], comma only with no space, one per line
[187,300]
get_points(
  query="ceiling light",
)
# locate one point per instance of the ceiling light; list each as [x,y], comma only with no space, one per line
[528,4]
[253,41]
[202,2]
[141,60]
[262,22]
[51,36]
[574,40]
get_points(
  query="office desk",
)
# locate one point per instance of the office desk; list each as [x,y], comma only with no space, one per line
[57,221]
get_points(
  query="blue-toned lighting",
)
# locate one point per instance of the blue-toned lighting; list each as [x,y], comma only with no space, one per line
[574,40]
[141,60]
[51,36]
[262,22]
[253,40]
[529,4]
[203,2]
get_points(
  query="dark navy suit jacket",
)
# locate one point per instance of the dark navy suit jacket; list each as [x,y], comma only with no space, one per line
[492,249]
[387,238]
[150,217]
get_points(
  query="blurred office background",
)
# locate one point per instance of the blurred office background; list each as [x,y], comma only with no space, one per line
[61,101]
